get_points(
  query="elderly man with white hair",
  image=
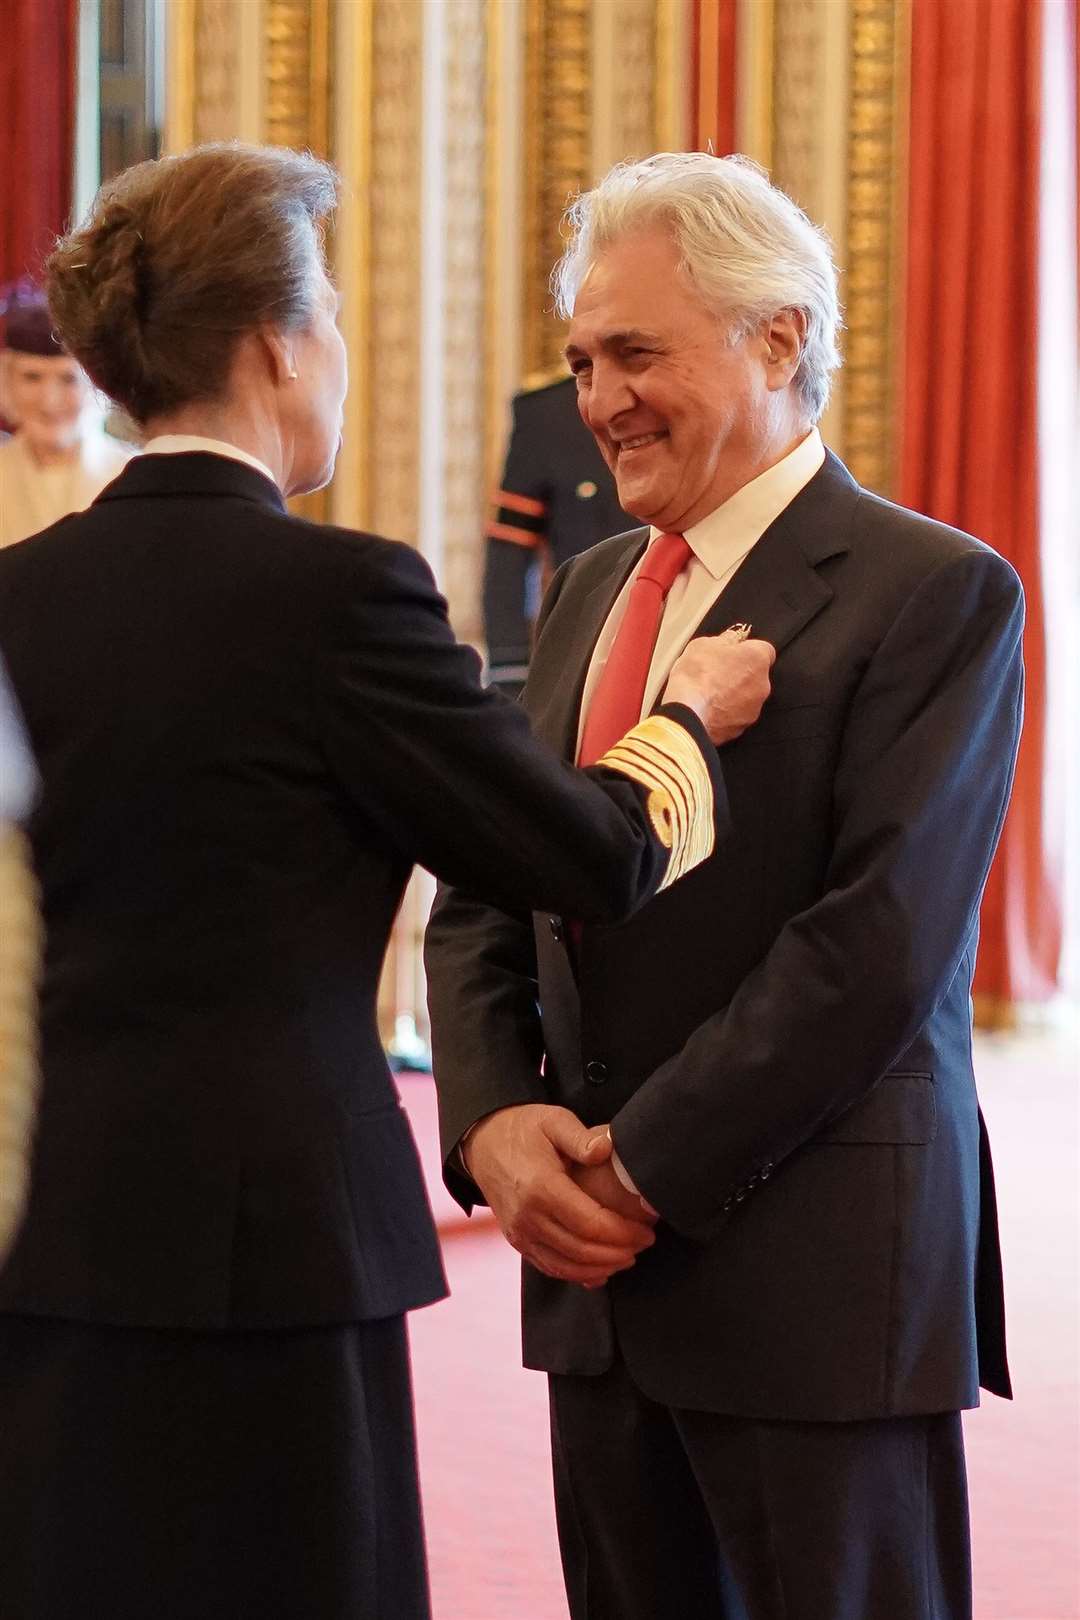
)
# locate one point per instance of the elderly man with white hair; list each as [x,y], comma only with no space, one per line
[759,1417]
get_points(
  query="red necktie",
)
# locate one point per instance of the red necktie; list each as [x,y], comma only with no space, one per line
[619,693]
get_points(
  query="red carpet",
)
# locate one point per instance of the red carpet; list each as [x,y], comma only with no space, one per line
[482,1420]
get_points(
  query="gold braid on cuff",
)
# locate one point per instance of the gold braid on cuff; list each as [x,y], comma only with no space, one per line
[20,954]
[662,756]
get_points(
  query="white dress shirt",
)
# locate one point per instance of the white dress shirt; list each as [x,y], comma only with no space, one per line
[182,444]
[719,544]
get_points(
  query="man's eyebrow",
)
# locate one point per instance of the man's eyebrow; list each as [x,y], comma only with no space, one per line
[616,340]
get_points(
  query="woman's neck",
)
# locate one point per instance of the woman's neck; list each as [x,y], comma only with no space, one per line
[246,430]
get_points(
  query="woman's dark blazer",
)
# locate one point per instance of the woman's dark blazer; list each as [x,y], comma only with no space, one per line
[248,728]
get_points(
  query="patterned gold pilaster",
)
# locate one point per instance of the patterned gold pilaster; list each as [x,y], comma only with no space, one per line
[798,136]
[558,154]
[624,82]
[463,313]
[350,493]
[298,74]
[875,192]
[671,111]
[297,110]
[393,359]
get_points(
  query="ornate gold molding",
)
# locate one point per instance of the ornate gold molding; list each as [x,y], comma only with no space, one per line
[875,190]
[351,100]
[671,110]
[623,82]
[754,111]
[463,499]
[393,358]
[297,109]
[798,133]
[217,67]
[558,153]
[180,75]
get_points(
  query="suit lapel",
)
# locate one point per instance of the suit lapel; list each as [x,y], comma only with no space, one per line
[775,590]
[778,588]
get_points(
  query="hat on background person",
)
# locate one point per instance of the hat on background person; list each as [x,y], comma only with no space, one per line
[28,325]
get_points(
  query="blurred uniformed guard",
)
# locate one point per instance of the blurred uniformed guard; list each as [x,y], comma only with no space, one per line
[557,498]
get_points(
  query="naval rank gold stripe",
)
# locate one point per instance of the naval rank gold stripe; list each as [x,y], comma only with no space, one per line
[661,755]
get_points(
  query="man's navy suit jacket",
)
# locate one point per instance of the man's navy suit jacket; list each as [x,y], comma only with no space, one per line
[783,1042]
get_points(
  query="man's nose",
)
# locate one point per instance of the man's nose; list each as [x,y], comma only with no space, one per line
[608,396]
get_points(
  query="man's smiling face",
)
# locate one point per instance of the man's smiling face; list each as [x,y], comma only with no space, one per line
[678,411]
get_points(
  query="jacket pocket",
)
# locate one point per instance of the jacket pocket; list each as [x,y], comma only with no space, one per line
[901,1109]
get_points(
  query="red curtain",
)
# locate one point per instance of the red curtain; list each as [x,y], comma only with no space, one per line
[969,431]
[37,118]
[714,76]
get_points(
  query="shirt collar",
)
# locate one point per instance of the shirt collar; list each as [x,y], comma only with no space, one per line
[728,533]
[179,444]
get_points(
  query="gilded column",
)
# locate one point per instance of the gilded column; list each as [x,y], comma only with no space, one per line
[558,156]
[624,82]
[393,365]
[393,359]
[808,145]
[463,482]
[835,144]
[297,105]
[876,191]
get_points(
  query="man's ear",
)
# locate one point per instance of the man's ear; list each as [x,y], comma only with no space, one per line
[785,339]
[280,353]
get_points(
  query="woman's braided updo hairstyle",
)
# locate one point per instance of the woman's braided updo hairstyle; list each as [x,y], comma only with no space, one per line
[178,258]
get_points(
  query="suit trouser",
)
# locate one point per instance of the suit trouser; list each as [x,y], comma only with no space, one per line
[671,1514]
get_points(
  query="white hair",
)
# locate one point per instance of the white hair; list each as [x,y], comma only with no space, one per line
[748,249]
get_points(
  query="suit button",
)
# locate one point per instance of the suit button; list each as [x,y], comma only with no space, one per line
[555,924]
[766,1171]
[596,1072]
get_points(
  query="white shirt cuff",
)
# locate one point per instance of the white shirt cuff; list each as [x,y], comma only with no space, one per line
[623,1174]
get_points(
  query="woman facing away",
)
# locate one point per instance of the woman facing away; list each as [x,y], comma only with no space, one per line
[247,728]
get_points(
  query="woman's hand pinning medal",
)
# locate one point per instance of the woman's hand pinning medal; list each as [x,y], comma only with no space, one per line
[724,679]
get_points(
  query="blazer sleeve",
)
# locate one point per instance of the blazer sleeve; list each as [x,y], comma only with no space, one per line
[921,789]
[452,776]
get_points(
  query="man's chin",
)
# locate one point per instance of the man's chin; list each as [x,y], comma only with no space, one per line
[638,502]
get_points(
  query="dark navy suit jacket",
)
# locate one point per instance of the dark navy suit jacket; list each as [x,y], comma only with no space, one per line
[248,727]
[783,1042]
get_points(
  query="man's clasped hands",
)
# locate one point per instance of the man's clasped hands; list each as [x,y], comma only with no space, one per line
[548,1179]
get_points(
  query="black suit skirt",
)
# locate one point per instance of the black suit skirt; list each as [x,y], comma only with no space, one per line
[208,1476]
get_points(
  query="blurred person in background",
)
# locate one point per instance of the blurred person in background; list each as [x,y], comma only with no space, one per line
[556,498]
[256,726]
[19,955]
[59,457]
